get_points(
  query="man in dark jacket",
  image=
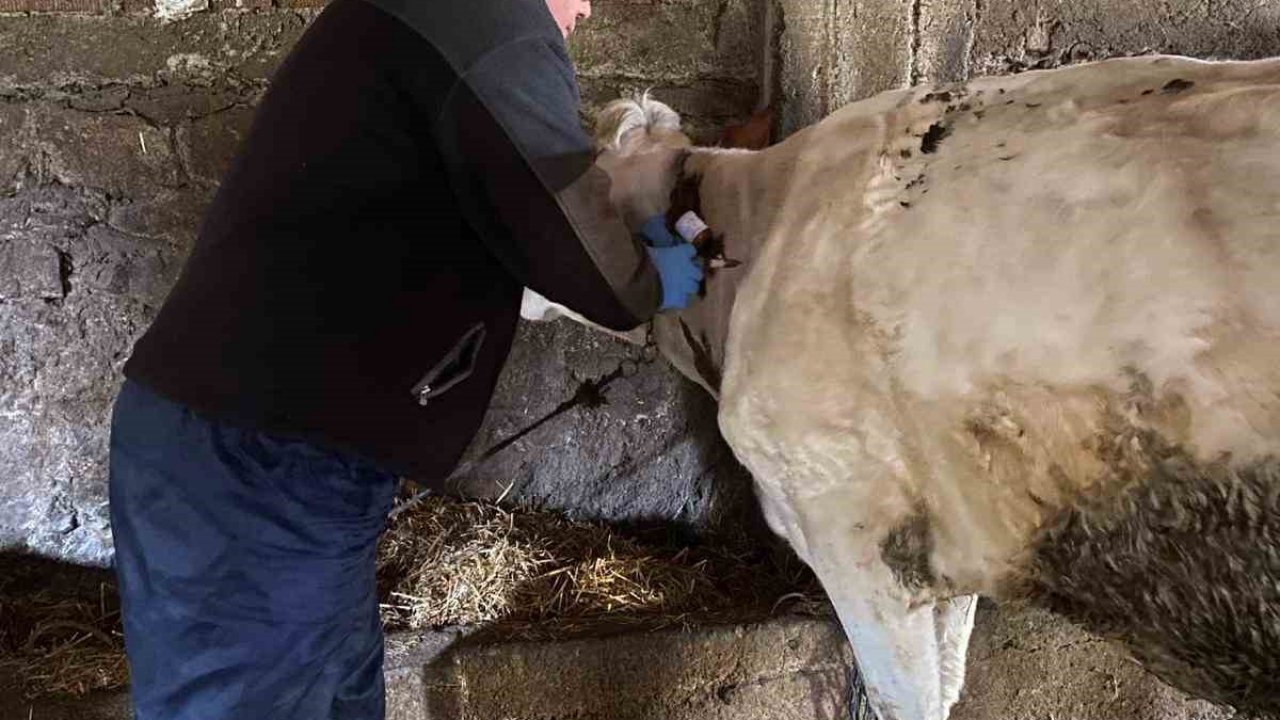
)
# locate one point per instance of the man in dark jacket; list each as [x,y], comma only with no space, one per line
[341,321]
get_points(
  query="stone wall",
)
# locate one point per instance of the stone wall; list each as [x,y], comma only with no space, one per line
[115,130]
[115,127]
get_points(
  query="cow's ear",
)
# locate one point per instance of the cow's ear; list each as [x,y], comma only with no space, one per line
[754,134]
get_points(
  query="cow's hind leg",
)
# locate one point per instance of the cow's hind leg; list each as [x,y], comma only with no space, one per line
[910,649]
[953,622]
[842,501]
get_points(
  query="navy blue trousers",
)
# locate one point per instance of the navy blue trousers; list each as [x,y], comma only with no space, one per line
[246,569]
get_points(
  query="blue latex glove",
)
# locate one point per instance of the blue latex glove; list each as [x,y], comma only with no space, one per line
[655,233]
[680,273]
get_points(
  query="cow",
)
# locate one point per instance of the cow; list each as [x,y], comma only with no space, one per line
[1017,337]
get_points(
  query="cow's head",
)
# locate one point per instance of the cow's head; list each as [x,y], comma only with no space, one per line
[639,142]
[641,145]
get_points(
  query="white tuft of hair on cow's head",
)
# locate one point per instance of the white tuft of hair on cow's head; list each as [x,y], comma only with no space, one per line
[639,140]
[616,123]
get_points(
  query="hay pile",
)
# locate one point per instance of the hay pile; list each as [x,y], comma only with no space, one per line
[516,573]
[534,573]
[60,641]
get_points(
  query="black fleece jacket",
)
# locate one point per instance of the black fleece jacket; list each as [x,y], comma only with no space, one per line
[357,279]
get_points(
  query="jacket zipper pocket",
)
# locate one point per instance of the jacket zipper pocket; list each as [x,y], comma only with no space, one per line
[456,366]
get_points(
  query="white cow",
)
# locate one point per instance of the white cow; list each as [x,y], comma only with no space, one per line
[1017,338]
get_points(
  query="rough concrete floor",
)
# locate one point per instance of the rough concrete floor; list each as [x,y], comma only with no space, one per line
[787,669]
[1031,665]
[1023,665]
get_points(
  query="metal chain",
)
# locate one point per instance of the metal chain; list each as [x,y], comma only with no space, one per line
[859,704]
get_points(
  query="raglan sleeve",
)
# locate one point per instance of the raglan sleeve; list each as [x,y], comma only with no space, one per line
[523,170]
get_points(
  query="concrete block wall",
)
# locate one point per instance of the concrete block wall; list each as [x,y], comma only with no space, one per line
[703,57]
[116,125]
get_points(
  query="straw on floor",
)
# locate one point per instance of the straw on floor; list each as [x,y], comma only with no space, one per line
[515,572]
[537,573]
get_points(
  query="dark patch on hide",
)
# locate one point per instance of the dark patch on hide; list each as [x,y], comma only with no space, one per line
[1148,92]
[712,248]
[713,261]
[933,137]
[1177,559]
[943,97]
[686,195]
[1173,87]
[907,550]
[703,364]
[1033,106]
[906,154]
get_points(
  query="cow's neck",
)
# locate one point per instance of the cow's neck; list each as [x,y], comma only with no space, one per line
[731,191]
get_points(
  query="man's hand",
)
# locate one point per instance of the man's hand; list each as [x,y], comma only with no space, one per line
[655,233]
[677,263]
[680,274]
